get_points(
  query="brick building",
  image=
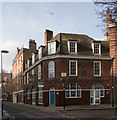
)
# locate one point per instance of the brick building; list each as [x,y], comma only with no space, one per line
[82,62]
[22,55]
[113,52]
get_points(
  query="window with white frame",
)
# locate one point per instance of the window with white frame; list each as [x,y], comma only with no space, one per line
[39,72]
[96,48]
[40,96]
[27,78]
[28,94]
[51,68]
[73,68]
[97,68]
[22,97]
[40,52]
[72,46]
[73,90]
[97,86]
[52,47]
[32,71]
[33,58]
[33,95]
[24,79]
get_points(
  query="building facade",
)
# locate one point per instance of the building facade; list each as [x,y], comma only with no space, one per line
[73,67]
[113,52]
[18,68]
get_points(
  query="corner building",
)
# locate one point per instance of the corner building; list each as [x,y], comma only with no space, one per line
[75,62]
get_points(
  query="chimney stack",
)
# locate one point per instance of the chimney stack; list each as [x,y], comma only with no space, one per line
[107,23]
[32,45]
[48,35]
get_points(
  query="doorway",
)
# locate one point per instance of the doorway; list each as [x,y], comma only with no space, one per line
[52,97]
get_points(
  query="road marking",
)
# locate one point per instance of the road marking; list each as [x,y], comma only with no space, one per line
[67,116]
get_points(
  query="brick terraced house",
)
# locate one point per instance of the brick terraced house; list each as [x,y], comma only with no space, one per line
[82,62]
[22,55]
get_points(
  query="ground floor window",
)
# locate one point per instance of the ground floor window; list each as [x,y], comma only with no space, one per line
[73,90]
[40,96]
[33,96]
[22,97]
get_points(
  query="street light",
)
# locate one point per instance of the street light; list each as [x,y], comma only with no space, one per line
[112,84]
[1,102]
[63,80]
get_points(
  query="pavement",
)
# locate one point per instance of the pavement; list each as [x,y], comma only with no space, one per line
[60,108]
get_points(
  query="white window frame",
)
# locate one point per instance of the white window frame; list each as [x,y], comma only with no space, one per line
[24,79]
[22,97]
[76,90]
[27,78]
[33,72]
[33,96]
[40,92]
[75,46]
[52,47]
[33,58]
[39,71]
[40,53]
[70,67]
[93,47]
[99,68]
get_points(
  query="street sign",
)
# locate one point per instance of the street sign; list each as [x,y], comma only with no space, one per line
[63,74]
[41,84]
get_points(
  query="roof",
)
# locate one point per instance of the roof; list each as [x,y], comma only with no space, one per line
[84,44]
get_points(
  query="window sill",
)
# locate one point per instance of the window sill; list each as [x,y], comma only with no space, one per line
[72,97]
[97,76]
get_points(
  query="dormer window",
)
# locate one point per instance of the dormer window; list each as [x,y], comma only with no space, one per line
[72,46]
[96,48]
[40,52]
[52,47]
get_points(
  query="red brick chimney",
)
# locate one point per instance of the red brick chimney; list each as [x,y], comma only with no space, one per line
[48,35]
[32,45]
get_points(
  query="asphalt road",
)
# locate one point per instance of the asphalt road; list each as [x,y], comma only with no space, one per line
[21,111]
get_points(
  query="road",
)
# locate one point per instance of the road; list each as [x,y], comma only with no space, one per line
[21,111]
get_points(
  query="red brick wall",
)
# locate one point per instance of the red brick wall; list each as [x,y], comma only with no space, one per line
[85,79]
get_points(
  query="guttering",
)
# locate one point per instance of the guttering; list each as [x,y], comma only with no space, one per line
[66,56]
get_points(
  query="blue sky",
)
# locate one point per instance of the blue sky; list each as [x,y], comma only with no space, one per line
[22,21]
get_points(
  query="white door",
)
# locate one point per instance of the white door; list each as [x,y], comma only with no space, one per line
[94,96]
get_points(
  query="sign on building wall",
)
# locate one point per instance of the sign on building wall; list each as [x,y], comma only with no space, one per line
[41,84]
[63,74]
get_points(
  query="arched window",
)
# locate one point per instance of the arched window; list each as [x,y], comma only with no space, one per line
[28,94]
[73,90]
[33,95]
[51,69]
[98,86]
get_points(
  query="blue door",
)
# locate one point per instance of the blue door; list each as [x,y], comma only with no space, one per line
[52,97]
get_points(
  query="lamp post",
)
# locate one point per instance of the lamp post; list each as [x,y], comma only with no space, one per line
[112,84]
[1,102]
[63,80]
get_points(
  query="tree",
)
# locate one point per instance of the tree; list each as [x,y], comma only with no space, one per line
[8,86]
[101,7]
